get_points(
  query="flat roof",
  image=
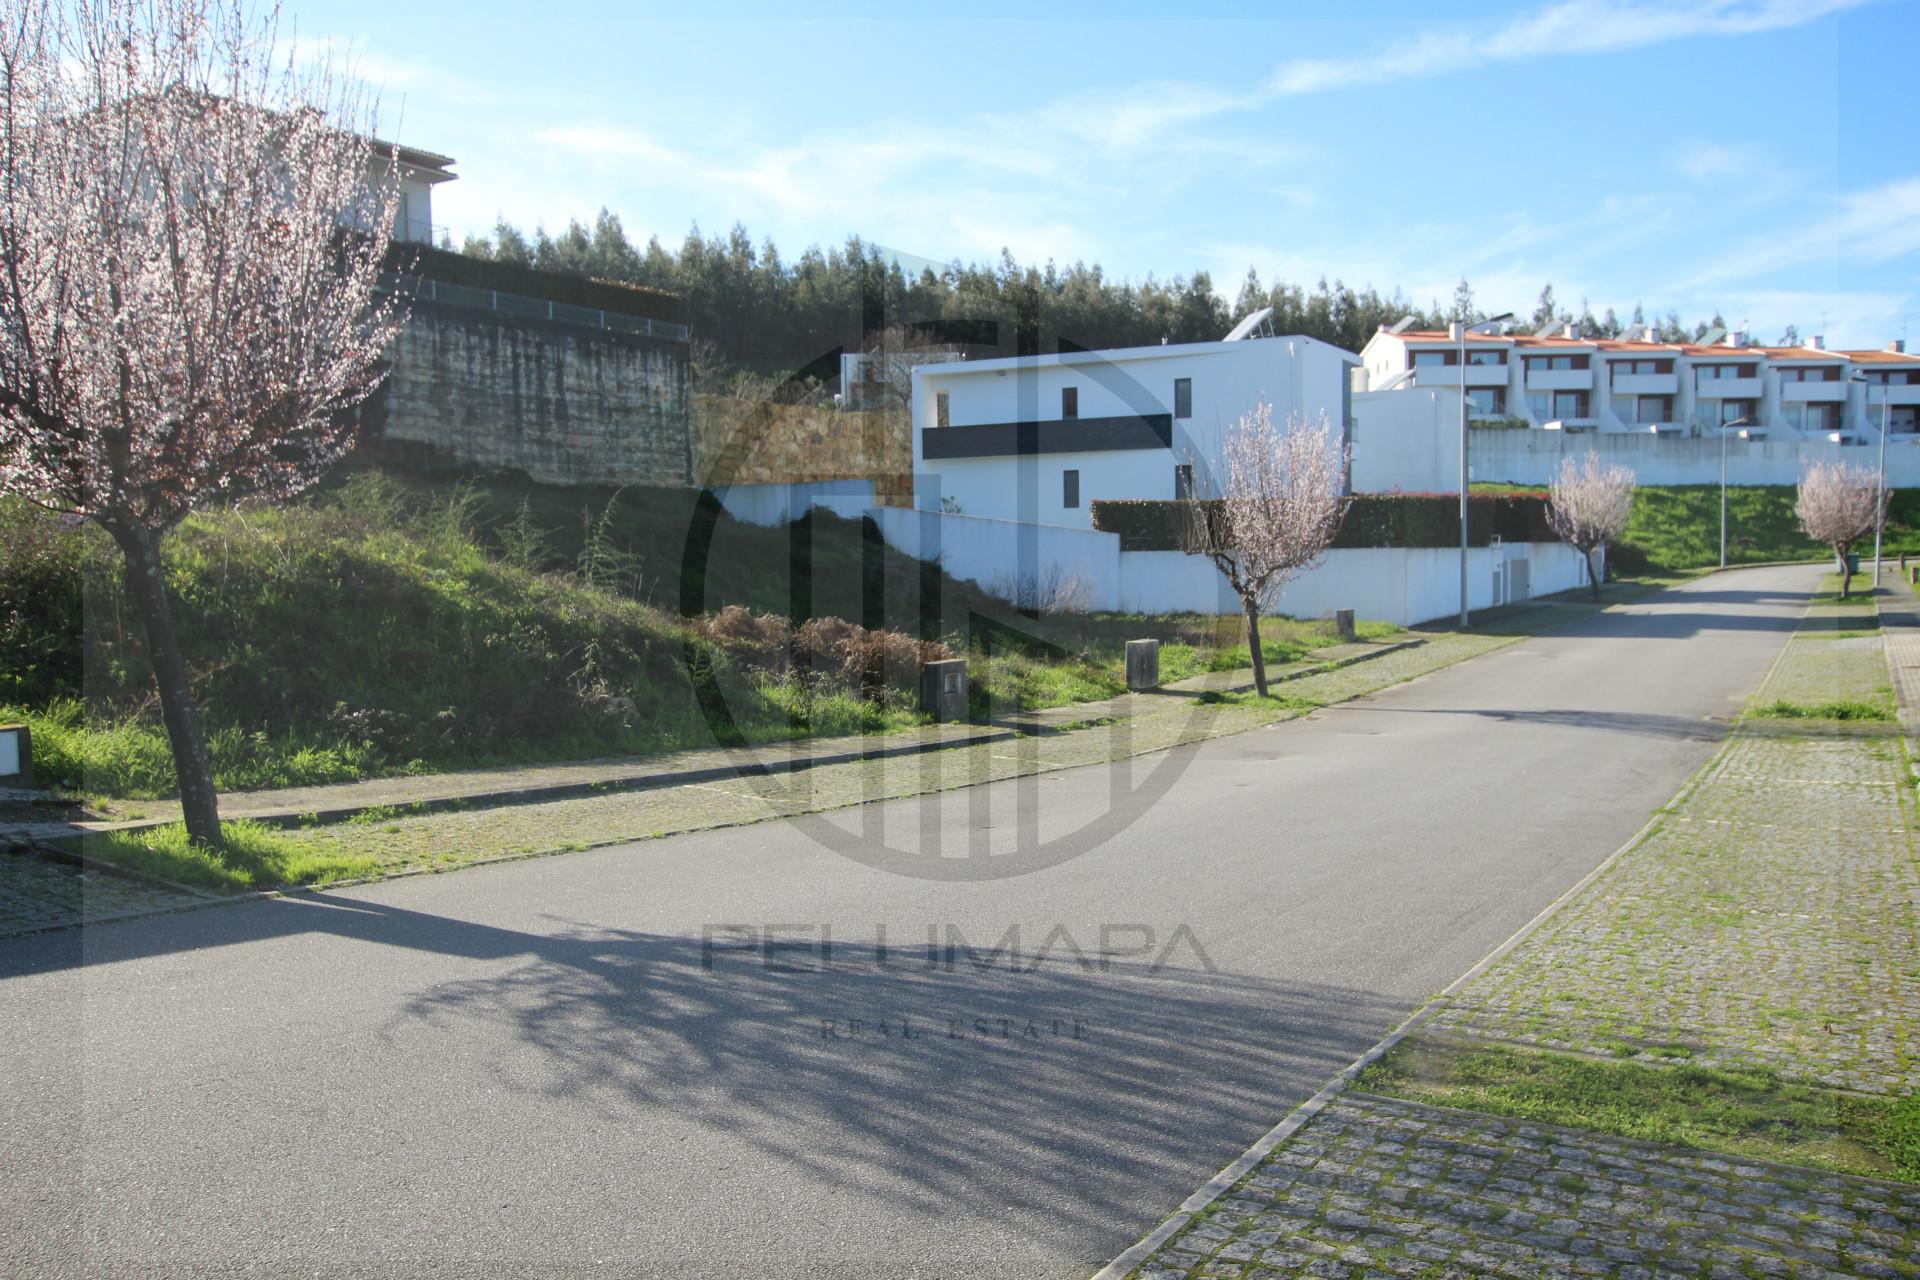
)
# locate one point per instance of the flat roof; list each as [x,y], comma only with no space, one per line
[1114,355]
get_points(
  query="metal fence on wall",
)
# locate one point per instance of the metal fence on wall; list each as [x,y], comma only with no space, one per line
[536,308]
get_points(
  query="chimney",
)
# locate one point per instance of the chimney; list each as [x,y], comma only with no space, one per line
[1737,339]
[1571,329]
[1817,342]
[1898,346]
[1456,330]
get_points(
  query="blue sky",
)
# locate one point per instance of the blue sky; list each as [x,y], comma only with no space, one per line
[1755,156]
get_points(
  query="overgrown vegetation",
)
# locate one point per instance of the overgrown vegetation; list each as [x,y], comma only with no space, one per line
[1748,1112]
[1849,710]
[388,625]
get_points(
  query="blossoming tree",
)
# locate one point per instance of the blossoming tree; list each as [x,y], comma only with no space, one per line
[185,315]
[1279,508]
[1588,505]
[1838,505]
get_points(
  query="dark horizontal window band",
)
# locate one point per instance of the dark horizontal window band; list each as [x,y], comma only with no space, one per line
[1066,435]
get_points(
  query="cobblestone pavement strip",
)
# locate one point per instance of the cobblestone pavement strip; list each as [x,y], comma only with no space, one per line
[38,893]
[1770,919]
[1380,1187]
[1767,918]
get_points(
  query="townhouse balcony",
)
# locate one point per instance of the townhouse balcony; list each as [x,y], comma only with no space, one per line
[1448,375]
[1560,380]
[1898,397]
[1728,388]
[1645,384]
[1813,392]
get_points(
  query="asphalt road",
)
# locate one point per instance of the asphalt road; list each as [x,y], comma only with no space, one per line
[569,1066]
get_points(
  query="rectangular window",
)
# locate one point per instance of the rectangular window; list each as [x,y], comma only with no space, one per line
[1734,410]
[1183,482]
[1432,359]
[1557,363]
[1486,402]
[1569,405]
[1486,357]
[1540,405]
[1183,397]
[1069,488]
[941,415]
[1645,410]
[1069,402]
[1902,421]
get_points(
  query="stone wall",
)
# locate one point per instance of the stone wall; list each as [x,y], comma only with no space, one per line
[563,403]
[738,442]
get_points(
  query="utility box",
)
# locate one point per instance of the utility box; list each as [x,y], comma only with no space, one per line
[16,756]
[943,689]
[1143,664]
[1343,623]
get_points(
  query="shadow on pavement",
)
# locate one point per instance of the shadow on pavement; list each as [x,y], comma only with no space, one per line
[950,1074]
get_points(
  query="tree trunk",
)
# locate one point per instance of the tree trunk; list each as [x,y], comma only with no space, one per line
[147,584]
[1252,607]
[1593,576]
[1846,572]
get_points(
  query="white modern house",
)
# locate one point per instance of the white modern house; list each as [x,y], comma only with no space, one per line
[419,172]
[1037,439]
[1670,410]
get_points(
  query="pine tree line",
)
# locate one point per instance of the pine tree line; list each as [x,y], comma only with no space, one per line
[755,313]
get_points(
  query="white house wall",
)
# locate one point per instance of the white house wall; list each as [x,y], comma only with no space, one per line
[1296,375]
[1410,441]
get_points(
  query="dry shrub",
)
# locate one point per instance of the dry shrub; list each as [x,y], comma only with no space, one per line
[839,652]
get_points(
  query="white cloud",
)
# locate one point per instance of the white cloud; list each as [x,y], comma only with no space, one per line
[1701,161]
[595,140]
[1572,27]
[1868,228]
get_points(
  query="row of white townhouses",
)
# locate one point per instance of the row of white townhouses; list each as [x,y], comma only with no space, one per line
[1566,381]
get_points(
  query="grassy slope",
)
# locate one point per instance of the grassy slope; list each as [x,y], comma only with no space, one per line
[392,624]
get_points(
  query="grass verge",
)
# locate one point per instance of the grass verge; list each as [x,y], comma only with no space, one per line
[1781,709]
[252,857]
[1751,1113]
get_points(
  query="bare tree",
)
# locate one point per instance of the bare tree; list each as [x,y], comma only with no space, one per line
[1839,505]
[1278,511]
[191,235]
[891,356]
[1588,505]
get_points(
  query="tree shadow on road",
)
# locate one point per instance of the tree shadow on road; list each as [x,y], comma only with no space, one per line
[1098,1077]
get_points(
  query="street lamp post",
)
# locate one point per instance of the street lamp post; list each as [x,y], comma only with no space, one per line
[1880,484]
[1726,429]
[1461,330]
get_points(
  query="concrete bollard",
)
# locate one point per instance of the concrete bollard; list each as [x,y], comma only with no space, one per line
[1913,575]
[1343,623]
[943,689]
[1143,664]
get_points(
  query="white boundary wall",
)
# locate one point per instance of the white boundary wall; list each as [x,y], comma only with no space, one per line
[1391,584]
[1410,441]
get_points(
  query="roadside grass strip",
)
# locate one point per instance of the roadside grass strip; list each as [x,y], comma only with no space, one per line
[387,842]
[1749,1112]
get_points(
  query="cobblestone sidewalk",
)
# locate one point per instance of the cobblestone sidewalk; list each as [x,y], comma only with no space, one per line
[1769,918]
[38,893]
[1379,1187]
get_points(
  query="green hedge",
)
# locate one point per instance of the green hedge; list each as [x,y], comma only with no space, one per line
[555,286]
[1372,520]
